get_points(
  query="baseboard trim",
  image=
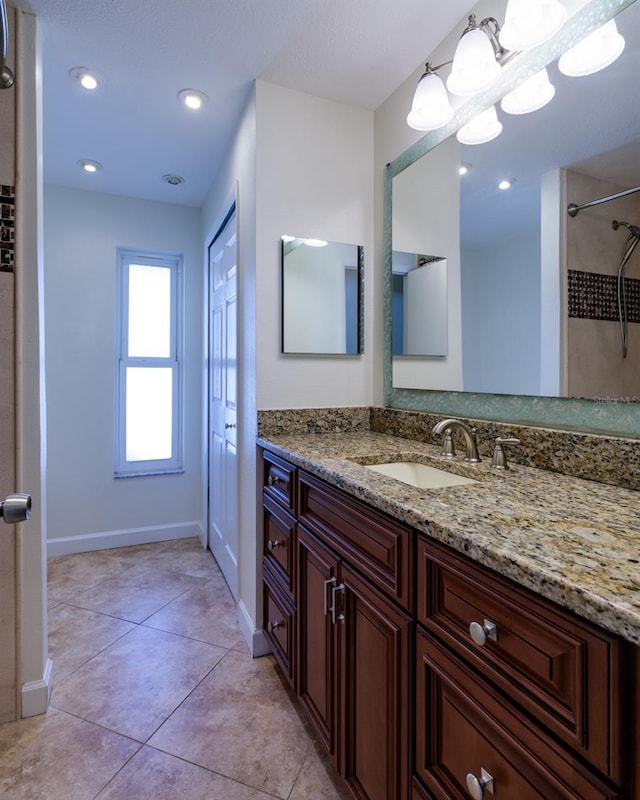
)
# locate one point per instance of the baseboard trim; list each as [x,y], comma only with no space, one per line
[34,695]
[255,638]
[105,540]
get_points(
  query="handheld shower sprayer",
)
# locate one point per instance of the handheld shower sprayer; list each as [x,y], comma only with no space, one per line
[635,230]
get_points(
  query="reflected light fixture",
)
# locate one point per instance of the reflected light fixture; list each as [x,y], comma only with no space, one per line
[529,23]
[86,78]
[482,128]
[192,98]
[430,108]
[595,52]
[90,166]
[463,169]
[531,95]
[286,238]
[315,242]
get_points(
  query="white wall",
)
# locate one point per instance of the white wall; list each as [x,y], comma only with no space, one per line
[236,178]
[501,349]
[314,162]
[87,507]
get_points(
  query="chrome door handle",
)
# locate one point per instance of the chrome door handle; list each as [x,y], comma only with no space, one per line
[15,508]
[327,585]
[334,614]
[480,633]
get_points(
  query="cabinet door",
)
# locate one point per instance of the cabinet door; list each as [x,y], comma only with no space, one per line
[374,691]
[318,574]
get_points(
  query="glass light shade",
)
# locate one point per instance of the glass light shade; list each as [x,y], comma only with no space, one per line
[430,108]
[531,95]
[595,52]
[481,129]
[474,65]
[529,23]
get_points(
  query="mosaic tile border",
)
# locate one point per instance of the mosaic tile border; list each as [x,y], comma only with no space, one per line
[592,295]
[7,227]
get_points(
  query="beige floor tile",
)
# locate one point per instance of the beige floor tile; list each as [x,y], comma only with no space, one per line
[318,779]
[76,635]
[186,556]
[134,685]
[58,757]
[136,593]
[69,575]
[206,612]
[152,775]
[240,723]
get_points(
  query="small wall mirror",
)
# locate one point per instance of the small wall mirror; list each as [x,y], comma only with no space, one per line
[322,297]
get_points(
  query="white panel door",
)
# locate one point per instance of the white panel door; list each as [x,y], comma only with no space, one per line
[223,459]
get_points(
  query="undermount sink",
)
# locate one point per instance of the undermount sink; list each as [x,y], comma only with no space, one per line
[420,475]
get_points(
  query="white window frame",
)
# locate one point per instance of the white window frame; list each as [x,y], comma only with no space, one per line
[173,261]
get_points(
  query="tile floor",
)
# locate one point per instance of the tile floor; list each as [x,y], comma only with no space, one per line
[155,693]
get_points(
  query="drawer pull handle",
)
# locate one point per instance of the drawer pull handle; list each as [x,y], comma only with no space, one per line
[480,633]
[327,605]
[273,626]
[273,480]
[476,788]
[272,544]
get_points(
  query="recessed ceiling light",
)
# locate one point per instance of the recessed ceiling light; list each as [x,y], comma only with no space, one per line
[90,166]
[505,184]
[85,77]
[173,180]
[192,98]
[464,168]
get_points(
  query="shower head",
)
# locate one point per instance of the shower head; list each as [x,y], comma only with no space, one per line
[635,230]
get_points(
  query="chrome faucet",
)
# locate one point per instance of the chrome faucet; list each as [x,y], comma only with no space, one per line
[469,433]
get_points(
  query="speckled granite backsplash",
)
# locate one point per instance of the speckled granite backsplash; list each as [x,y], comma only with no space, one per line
[606,459]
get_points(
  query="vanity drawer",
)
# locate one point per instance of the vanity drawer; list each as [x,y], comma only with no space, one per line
[463,727]
[279,480]
[279,531]
[379,547]
[562,670]
[280,625]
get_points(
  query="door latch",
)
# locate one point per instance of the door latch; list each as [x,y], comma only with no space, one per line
[15,508]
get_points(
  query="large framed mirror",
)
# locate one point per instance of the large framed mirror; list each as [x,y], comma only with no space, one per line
[322,297]
[531,292]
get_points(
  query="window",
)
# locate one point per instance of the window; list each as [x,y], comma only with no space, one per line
[148,377]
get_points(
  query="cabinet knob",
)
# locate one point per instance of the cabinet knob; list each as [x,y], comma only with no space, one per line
[476,787]
[272,544]
[480,633]
[272,480]
[273,626]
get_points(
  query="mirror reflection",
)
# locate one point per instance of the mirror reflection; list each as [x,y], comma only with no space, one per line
[532,301]
[321,297]
[419,304]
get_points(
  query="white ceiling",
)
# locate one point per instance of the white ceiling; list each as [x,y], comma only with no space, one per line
[352,51]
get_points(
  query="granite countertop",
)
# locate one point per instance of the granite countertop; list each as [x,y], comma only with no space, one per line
[573,541]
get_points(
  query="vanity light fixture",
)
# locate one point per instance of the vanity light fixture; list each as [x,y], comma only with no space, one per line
[529,23]
[90,166]
[476,63]
[595,52]
[315,242]
[463,169]
[192,98]
[86,78]
[482,128]
[430,108]
[531,95]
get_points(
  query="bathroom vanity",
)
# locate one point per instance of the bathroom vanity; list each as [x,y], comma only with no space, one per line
[468,641]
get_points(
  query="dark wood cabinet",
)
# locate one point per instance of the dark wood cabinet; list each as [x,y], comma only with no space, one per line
[430,677]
